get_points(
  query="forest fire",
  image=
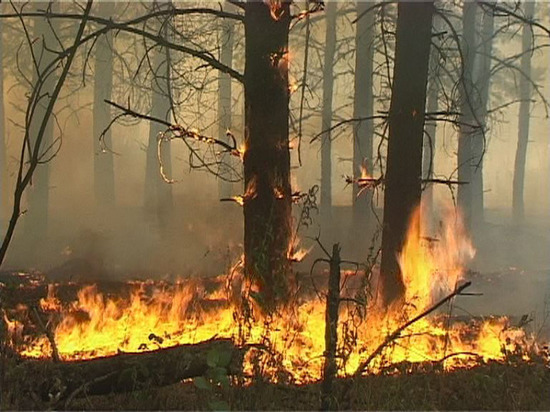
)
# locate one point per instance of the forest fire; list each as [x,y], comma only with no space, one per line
[97,325]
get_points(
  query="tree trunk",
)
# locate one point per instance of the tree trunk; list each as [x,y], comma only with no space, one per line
[225,100]
[120,373]
[467,109]
[104,179]
[36,218]
[429,149]
[406,129]
[3,166]
[158,194]
[267,208]
[326,116]
[363,105]
[518,207]
[483,82]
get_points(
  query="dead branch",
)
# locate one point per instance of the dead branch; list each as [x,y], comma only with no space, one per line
[396,333]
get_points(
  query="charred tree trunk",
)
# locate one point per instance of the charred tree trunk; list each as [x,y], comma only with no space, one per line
[363,105]
[104,179]
[483,82]
[267,209]
[158,194]
[36,218]
[467,110]
[326,116]
[518,207]
[406,129]
[224,97]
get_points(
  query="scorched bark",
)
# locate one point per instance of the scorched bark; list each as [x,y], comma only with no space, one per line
[267,210]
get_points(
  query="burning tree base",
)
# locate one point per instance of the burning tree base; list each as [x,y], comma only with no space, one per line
[46,382]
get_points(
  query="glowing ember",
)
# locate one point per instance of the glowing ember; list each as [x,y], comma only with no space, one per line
[96,325]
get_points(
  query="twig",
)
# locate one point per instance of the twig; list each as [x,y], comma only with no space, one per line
[395,334]
[48,333]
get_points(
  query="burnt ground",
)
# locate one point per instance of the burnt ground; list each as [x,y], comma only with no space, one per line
[494,386]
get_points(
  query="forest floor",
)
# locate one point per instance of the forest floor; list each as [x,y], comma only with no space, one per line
[494,386]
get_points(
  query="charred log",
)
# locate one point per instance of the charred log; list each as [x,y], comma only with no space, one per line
[50,383]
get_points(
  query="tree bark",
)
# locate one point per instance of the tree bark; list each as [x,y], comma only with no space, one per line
[267,208]
[225,98]
[104,179]
[3,166]
[326,115]
[406,129]
[429,149]
[36,218]
[126,372]
[467,108]
[518,206]
[483,84]
[158,194]
[363,106]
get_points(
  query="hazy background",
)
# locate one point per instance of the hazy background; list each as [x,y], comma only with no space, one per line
[205,235]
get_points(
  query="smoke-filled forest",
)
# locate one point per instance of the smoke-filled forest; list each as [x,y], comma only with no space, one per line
[274,205]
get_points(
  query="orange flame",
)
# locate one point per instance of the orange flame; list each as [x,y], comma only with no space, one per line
[96,325]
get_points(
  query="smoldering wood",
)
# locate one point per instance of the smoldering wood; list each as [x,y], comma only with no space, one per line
[53,383]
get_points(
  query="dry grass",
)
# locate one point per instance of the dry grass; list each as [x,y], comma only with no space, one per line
[493,386]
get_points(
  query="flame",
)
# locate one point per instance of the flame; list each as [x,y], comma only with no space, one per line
[275,9]
[98,325]
[364,171]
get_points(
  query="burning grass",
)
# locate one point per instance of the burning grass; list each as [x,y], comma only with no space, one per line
[288,347]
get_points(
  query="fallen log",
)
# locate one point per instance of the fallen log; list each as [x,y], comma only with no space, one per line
[44,382]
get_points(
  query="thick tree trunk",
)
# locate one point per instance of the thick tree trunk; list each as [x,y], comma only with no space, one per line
[37,379]
[483,82]
[468,104]
[267,208]
[158,194]
[326,115]
[406,129]
[224,99]
[36,218]
[518,207]
[363,104]
[104,179]
[3,166]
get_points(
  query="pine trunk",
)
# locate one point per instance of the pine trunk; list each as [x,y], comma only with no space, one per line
[518,206]
[3,167]
[326,115]
[429,149]
[483,82]
[158,194]
[363,105]
[36,218]
[406,130]
[467,109]
[104,179]
[267,208]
